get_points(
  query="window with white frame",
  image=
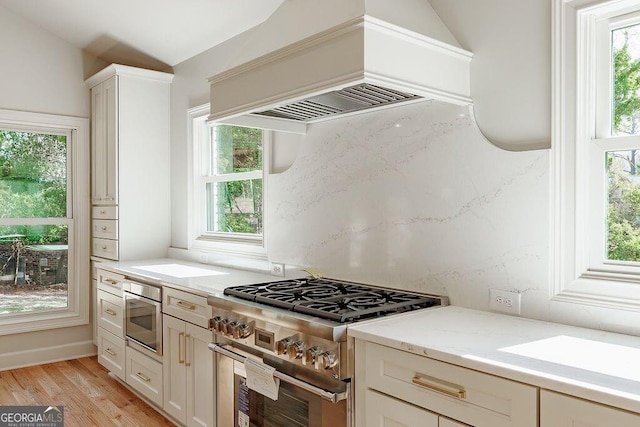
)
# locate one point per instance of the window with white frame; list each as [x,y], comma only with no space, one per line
[43,221]
[596,152]
[229,168]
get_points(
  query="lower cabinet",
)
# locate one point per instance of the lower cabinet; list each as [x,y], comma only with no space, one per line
[398,388]
[559,410]
[144,374]
[189,388]
[111,352]
[385,411]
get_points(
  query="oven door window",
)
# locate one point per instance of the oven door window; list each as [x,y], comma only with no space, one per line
[141,320]
[294,408]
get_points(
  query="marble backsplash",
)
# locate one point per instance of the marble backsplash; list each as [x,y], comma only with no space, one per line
[414,197]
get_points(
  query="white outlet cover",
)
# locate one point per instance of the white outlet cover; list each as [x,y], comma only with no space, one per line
[505,301]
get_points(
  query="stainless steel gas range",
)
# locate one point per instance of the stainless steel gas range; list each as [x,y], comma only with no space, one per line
[297,331]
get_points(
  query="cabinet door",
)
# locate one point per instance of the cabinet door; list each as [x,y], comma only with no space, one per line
[110,313]
[175,371]
[558,410]
[104,142]
[448,422]
[385,411]
[201,379]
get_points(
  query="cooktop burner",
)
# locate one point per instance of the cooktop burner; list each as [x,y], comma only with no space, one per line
[332,299]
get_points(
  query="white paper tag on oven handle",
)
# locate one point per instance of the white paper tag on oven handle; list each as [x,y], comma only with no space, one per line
[260,378]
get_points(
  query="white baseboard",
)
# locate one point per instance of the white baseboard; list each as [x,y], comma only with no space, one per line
[39,356]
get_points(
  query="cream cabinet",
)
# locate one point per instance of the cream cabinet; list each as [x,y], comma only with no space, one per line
[109,320]
[144,374]
[130,163]
[398,388]
[559,410]
[189,388]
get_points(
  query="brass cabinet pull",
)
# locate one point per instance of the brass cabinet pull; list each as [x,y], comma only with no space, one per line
[186,346]
[455,391]
[110,312]
[109,351]
[186,305]
[180,344]
[110,281]
[143,377]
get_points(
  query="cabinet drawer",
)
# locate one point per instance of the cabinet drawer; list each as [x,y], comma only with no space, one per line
[110,313]
[104,248]
[385,411]
[104,228]
[186,306]
[110,282]
[145,375]
[111,352]
[104,212]
[472,397]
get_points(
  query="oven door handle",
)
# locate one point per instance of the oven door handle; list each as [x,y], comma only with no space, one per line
[324,394]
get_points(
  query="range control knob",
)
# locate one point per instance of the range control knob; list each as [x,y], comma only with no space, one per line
[295,349]
[282,345]
[228,326]
[242,330]
[309,356]
[326,360]
[216,323]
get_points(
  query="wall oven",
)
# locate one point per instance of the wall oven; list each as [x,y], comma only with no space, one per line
[143,317]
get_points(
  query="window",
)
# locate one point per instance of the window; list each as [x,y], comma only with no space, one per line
[228,202]
[596,152]
[40,252]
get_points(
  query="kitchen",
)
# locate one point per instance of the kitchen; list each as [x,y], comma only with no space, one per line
[490,228]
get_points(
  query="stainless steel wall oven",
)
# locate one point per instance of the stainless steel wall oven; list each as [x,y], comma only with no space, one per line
[143,317]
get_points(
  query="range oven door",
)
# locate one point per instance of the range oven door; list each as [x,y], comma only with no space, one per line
[299,404]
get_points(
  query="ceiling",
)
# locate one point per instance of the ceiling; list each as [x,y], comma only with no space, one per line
[159,33]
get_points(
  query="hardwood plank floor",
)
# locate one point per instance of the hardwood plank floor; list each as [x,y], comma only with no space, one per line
[89,395]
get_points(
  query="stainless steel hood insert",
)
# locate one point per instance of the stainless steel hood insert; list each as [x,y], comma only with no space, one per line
[362,64]
[348,100]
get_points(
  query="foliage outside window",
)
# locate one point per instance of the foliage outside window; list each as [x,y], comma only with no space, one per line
[34,223]
[234,182]
[623,213]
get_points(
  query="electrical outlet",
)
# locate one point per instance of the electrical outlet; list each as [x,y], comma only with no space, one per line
[504,301]
[277,269]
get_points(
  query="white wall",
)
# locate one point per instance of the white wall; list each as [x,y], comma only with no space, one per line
[511,66]
[430,205]
[41,73]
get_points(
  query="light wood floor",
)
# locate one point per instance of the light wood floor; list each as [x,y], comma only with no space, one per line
[89,396]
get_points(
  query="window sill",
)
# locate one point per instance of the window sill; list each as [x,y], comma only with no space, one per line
[606,290]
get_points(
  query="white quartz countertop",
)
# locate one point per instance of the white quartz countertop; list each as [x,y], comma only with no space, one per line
[201,279]
[594,365]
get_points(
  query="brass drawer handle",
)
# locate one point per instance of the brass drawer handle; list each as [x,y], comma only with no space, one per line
[455,391]
[186,305]
[110,312]
[109,351]
[110,281]
[143,377]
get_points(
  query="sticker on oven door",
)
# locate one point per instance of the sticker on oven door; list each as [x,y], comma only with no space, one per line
[243,404]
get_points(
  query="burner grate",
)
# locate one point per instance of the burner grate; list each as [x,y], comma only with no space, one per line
[329,299]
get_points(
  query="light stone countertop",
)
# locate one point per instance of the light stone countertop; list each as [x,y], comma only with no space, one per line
[201,279]
[590,364]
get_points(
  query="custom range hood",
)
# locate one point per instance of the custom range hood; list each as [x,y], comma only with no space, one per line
[394,52]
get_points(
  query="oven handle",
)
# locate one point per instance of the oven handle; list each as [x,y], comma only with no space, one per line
[326,395]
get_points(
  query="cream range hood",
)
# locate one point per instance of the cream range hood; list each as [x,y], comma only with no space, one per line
[363,64]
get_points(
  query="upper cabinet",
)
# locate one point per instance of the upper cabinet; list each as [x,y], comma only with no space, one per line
[130,162]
